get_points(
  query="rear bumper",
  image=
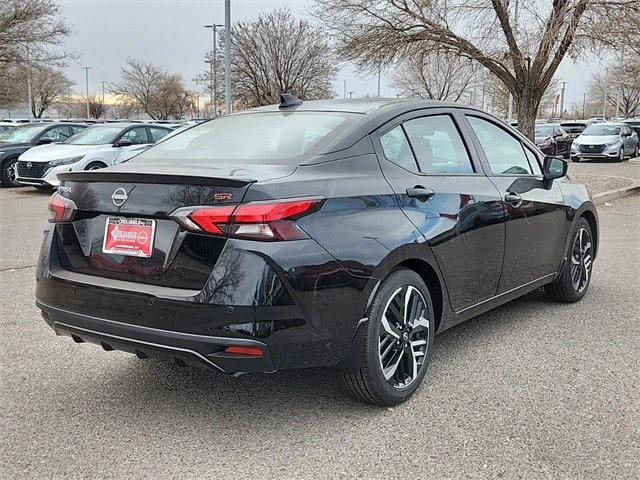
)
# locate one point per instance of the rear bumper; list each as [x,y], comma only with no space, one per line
[181,348]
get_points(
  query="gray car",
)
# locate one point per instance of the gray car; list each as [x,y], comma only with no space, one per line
[609,140]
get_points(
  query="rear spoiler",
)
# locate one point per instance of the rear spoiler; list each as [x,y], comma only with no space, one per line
[158,178]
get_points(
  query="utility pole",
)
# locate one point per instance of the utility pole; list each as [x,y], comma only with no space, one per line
[104,110]
[584,104]
[562,99]
[344,87]
[214,72]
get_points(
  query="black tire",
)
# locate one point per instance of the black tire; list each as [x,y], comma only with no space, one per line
[398,337]
[554,150]
[620,157]
[573,282]
[44,188]
[9,173]
[95,166]
[575,159]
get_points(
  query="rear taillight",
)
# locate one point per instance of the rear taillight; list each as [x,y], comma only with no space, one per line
[268,221]
[61,209]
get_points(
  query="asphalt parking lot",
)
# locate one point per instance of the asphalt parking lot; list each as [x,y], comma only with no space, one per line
[534,389]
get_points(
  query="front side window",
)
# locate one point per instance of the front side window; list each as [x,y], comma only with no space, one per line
[505,153]
[137,136]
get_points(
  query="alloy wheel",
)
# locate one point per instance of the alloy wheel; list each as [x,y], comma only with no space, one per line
[581,260]
[404,337]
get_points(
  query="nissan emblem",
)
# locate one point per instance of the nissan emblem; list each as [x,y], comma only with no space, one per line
[119,196]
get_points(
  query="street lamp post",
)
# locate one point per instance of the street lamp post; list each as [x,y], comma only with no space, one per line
[227,56]
[584,104]
[86,75]
[214,76]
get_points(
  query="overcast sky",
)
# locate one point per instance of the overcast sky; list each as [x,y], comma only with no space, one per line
[171,34]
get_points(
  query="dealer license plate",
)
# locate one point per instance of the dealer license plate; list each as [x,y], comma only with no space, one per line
[129,236]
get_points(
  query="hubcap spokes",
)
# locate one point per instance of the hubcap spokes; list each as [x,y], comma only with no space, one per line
[404,337]
[581,260]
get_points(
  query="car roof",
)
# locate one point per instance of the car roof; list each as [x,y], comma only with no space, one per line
[360,105]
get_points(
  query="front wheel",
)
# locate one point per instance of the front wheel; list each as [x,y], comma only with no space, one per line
[575,277]
[9,173]
[398,341]
[621,154]
[95,166]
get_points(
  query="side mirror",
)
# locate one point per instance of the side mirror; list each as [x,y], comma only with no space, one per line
[44,141]
[123,143]
[553,168]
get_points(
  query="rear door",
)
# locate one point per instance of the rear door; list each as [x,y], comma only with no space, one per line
[456,209]
[535,215]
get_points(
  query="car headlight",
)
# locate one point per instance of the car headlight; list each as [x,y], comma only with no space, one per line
[614,143]
[65,161]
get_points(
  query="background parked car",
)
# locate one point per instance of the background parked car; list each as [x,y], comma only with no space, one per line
[635,124]
[24,136]
[552,140]
[575,127]
[94,148]
[608,140]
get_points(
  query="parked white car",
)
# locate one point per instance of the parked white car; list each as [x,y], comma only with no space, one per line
[94,148]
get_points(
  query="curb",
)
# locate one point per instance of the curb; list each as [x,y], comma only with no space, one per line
[603,197]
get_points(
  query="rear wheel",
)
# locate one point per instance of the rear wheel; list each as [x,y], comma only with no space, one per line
[9,173]
[398,341]
[574,280]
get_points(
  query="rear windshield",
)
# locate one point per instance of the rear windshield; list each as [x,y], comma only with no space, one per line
[265,137]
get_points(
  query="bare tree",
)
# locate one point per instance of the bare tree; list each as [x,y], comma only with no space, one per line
[619,87]
[123,110]
[435,75]
[29,32]
[48,85]
[160,94]
[276,54]
[521,43]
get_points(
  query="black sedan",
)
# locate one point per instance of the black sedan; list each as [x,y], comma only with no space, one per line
[19,139]
[340,234]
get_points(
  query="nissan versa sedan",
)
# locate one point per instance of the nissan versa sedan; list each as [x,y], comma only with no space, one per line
[341,234]
[610,140]
[96,147]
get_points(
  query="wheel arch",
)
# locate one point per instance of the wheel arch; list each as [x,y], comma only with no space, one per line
[591,219]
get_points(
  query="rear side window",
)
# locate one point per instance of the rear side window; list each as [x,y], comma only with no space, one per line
[157,133]
[505,153]
[437,145]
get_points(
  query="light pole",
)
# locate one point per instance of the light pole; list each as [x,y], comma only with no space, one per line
[344,88]
[214,64]
[86,75]
[227,56]
[584,104]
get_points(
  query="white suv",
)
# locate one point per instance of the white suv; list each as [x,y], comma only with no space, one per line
[93,148]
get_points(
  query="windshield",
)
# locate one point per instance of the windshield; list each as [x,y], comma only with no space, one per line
[98,135]
[265,137]
[22,133]
[602,129]
[544,131]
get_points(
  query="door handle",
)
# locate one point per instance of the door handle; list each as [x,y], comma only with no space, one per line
[514,199]
[420,193]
